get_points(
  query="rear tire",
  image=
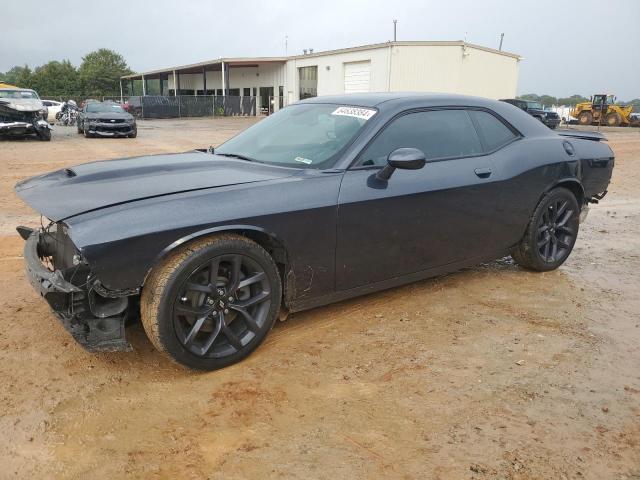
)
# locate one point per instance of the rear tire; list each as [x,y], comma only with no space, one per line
[551,233]
[212,302]
[585,118]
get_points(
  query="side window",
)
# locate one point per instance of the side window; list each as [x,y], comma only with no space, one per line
[494,133]
[438,133]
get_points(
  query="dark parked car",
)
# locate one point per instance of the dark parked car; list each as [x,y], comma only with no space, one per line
[106,119]
[536,110]
[326,199]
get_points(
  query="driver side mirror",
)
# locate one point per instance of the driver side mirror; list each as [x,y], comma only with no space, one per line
[404,159]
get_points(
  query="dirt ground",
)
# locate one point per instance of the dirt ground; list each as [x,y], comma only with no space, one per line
[492,372]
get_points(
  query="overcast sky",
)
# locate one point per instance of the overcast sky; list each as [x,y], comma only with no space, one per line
[569,46]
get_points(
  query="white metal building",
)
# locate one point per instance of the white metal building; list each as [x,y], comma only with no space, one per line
[455,67]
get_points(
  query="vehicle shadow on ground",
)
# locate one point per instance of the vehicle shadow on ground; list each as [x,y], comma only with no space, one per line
[27,138]
[339,314]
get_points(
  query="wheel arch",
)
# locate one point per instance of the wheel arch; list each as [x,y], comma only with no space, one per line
[271,242]
[573,185]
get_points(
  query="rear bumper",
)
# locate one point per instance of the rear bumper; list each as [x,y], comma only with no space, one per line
[71,304]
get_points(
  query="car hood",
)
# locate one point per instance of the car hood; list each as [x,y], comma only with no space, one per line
[22,104]
[92,186]
[108,116]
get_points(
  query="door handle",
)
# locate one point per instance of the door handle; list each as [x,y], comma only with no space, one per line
[483,172]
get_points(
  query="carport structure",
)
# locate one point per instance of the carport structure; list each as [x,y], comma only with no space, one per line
[272,82]
[258,77]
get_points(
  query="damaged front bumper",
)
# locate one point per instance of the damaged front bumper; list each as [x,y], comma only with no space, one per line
[95,322]
[107,129]
[22,128]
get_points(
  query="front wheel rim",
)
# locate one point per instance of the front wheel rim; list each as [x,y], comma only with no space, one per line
[222,306]
[556,232]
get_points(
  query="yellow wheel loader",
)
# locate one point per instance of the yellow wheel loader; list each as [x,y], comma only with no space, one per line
[602,110]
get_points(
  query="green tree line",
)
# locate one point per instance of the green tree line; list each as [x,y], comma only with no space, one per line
[548,100]
[98,75]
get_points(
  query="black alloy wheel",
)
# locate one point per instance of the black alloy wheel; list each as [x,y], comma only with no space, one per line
[551,233]
[555,236]
[222,306]
[211,302]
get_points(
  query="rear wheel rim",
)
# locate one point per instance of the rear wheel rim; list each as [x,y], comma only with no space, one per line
[222,306]
[556,231]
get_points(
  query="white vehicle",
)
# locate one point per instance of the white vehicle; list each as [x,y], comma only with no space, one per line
[54,107]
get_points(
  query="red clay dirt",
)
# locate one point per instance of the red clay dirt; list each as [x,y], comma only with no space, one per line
[492,372]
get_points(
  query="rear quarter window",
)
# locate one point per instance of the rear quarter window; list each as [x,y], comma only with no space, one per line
[494,133]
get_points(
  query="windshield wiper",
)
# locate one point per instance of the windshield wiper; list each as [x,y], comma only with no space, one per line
[238,156]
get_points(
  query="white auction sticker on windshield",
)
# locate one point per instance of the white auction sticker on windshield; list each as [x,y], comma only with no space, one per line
[357,112]
[303,160]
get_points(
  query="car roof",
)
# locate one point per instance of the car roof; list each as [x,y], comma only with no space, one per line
[393,100]
[392,103]
[375,99]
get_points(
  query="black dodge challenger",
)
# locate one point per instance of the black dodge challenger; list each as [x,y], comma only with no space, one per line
[327,199]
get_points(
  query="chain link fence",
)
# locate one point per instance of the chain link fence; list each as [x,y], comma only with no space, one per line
[162,106]
[168,106]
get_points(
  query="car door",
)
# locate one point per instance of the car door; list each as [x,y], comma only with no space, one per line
[418,219]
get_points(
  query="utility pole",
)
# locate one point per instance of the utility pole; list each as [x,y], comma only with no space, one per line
[395,23]
[501,38]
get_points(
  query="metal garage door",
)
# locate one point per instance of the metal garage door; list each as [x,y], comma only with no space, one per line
[357,77]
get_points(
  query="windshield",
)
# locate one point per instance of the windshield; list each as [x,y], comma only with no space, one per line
[537,105]
[18,94]
[104,108]
[303,135]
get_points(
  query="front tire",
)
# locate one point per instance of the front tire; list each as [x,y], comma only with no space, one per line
[212,302]
[551,233]
[44,135]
